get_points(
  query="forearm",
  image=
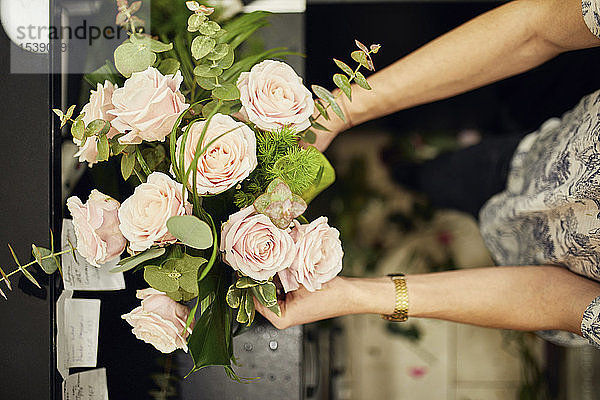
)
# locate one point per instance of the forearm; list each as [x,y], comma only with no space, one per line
[522,298]
[503,42]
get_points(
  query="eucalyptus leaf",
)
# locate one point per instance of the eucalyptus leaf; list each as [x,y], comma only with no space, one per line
[227,91]
[131,262]
[69,113]
[194,22]
[209,28]
[103,147]
[169,66]
[127,165]
[219,52]
[97,127]
[225,108]
[191,231]
[320,127]
[201,46]
[362,81]
[361,58]
[130,58]
[153,45]
[160,279]
[309,136]
[207,71]
[343,83]
[78,130]
[344,67]
[206,83]
[47,264]
[329,98]
[322,109]
[227,60]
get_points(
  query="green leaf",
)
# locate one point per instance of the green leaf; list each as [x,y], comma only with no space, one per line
[69,113]
[116,148]
[206,83]
[328,97]
[234,296]
[210,106]
[249,307]
[159,278]
[208,71]
[194,22]
[191,231]
[326,178]
[245,282]
[97,127]
[344,67]
[321,109]
[154,46]
[169,66]
[318,126]
[227,91]
[127,164]
[6,280]
[343,83]
[209,28]
[266,294]
[242,317]
[361,58]
[227,61]
[130,58]
[47,264]
[276,309]
[210,342]
[309,136]
[131,262]
[59,113]
[219,52]
[23,270]
[78,130]
[362,81]
[201,46]
[103,148]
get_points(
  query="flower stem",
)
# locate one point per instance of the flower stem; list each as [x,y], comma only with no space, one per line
[35,261]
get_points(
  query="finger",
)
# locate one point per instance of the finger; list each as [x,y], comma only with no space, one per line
[268,314]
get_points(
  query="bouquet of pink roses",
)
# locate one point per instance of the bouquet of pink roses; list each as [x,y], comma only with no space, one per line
[211,143]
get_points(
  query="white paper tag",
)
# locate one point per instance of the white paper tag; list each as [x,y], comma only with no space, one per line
[81,275]
[78,323]
[88,385]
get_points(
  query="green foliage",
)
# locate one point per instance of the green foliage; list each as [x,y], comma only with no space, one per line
[131,262]
[298,168]
[210,342]
[191,231]
[175,275]
[280,204]
[241,295]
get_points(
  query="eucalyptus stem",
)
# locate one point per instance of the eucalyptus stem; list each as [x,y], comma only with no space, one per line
[35,261]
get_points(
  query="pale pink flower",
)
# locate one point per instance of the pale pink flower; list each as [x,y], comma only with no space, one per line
[273,96]
[97,108]
[144,214]
[96,223]
[147,106]
[318,256]
[159,321]
[229,160]
[254,246]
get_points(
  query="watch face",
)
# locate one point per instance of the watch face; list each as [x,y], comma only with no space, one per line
[396,274]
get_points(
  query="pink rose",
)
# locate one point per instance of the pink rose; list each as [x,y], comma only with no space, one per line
[96,223]
[159,321]
[144,214]
[98,107]
[147,106]
[273,96]
[229,160]
[254,246]
[318,258]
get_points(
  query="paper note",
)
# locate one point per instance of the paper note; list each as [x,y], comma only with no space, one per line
[78,274]
[88,385]
[77,332]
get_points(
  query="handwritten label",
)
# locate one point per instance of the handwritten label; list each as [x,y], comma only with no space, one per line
[88,385]
[78,274]
[77,332]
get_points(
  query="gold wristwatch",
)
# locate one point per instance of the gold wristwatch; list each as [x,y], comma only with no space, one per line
[401,310]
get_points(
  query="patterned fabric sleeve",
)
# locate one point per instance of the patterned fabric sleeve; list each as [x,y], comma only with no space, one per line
[591,15]
[590,324]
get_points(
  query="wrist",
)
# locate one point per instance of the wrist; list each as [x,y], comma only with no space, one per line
[370,295]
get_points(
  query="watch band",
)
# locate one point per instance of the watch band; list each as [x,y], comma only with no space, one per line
[401,310]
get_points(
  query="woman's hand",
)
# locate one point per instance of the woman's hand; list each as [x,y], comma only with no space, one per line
[335,124]
[340,296]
